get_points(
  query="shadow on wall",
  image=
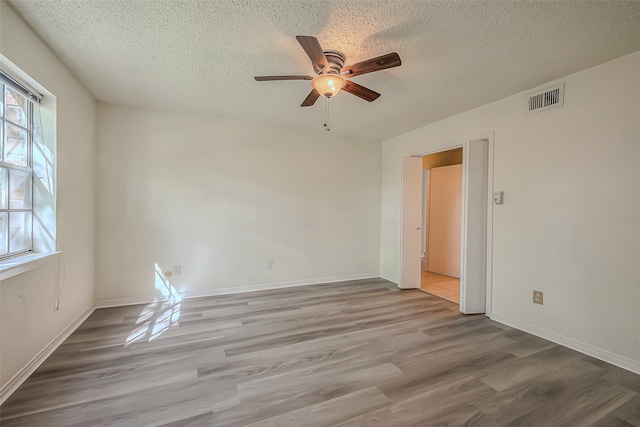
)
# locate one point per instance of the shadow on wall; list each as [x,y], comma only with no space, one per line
[160,315]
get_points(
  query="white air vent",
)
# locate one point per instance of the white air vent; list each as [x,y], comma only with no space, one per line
[546,99]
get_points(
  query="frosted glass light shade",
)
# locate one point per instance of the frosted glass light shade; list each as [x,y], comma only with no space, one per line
[328,84]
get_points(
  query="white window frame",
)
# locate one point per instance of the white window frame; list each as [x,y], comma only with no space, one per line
[7,81]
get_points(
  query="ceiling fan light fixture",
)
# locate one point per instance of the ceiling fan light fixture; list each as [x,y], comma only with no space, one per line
[328,84]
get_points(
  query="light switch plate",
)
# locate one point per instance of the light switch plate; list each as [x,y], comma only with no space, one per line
[498,196]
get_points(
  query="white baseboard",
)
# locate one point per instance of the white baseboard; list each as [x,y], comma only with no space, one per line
[121,302]
[392,280]
[597,352]
[24,373]
[241,289]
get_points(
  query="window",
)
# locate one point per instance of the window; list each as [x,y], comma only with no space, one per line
[16,169]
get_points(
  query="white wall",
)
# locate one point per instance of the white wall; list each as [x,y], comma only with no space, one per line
[444,226]
[221,197]
[569,223]
[29,321]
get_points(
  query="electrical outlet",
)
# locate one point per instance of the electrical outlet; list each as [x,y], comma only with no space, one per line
[269,264]
[177,270]
[537,297]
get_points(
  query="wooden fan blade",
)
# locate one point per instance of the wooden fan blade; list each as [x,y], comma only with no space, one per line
[383,62]
[269,78]
[360,91]
[311,98]
[312,47]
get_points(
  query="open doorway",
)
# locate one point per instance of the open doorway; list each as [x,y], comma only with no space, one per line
[441,224]
[476,218]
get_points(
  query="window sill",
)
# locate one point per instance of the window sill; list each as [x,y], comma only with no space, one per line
[21,264]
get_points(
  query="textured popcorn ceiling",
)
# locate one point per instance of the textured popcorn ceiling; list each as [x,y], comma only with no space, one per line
[201,56]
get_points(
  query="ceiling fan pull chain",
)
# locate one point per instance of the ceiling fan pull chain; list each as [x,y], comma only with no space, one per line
[326,114]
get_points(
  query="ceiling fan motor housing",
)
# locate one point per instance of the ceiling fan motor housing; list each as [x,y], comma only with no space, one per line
[335,60]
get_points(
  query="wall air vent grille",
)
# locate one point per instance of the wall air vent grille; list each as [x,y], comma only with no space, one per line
[546,99]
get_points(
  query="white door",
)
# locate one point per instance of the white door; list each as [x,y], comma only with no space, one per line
[473,271]
[411,237]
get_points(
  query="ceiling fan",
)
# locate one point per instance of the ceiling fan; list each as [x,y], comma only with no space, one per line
[332,75]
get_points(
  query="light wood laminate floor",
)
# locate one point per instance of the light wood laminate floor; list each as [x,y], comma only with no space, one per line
[361,353]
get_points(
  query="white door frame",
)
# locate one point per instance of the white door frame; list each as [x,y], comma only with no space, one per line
[489,224]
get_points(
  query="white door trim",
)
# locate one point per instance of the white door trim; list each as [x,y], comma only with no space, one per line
[489,281]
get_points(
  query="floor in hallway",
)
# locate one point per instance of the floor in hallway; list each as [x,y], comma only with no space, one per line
[446,287]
